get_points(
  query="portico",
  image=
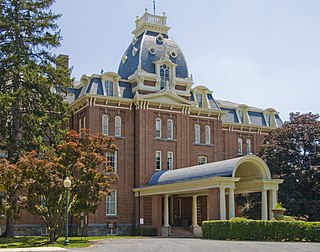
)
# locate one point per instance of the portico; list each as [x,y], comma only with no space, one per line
[203,192]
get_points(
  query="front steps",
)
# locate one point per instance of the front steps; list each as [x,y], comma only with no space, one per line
[183,232]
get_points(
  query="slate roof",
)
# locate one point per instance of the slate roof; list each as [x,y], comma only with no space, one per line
[216,169]
[146,59]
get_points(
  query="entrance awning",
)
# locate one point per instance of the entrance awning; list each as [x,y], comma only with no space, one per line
[249,171]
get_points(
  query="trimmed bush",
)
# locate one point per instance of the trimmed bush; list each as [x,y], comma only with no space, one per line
[243,229]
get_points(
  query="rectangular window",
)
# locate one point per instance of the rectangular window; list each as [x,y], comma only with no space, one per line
[112,160]
[109,87]
[170,160]
[158,160]
[111,204]
[199,100]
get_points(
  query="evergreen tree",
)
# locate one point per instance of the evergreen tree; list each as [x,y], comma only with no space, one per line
[31,113]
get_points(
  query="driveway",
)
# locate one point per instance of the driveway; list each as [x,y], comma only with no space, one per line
[195,245]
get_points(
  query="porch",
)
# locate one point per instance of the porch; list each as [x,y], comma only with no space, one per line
[185,197]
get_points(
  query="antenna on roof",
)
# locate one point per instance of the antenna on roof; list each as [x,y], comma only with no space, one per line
[154,7]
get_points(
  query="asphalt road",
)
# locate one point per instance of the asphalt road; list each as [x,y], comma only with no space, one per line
[195,245]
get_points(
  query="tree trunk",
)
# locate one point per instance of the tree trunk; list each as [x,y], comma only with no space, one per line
[9,232]
[51,236]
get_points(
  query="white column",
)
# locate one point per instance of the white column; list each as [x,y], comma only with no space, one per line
[222,203]
[231,203]
[272,201]
[166,211]
[194,211]
[264,205]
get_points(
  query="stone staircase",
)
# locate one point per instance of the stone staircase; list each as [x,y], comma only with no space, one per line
[182,232]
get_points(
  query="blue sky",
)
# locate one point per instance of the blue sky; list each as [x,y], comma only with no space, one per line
[263,53]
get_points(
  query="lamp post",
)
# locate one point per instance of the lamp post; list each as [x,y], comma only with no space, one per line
[66,184]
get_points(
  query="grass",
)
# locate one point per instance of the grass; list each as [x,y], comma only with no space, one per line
[42,241]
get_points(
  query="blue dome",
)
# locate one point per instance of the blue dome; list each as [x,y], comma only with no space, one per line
[146,49]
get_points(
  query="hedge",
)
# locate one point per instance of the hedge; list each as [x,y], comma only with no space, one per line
[242,229]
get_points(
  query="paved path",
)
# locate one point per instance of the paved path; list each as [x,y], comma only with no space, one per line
[195,245]
[183,245]
[38,249]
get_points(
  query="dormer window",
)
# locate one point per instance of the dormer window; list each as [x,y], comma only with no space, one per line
[240,113]
[164,76]
[109,88]
[199,100]
[268,116]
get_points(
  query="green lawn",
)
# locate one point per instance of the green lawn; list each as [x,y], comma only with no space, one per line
[42,241]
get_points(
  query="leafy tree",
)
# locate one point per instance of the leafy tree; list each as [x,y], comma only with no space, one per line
[11,181]
[82,158]
[31,114]
[293,154]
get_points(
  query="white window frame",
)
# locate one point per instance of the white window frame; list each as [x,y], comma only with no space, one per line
[117,126]
[170,160]
[164,75]
[111,199]
[158,127]
[197,133]
[202,160]
[109,87]
[170,129]
[112,160]
[248,146]
[208,134]
[158,160]
[239,146]
[199,97]
[105,125]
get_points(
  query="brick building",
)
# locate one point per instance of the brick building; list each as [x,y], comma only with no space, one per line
[182,155]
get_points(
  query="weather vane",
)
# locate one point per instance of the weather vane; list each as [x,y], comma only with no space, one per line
[154,7]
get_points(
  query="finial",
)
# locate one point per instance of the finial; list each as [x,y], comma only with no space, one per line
[154,7]
[101,71]
[146,9]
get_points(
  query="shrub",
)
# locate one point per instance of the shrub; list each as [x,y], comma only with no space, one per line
[243,229]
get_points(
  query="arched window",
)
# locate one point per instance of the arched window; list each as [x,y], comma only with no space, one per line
[158,128]
[202,160]
[239,146]
[197,133]
[170,129]
[249,147]
[164,76]
[117,130]
[105,125]
[208,135]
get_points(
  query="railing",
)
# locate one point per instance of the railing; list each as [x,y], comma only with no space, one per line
[151,19]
